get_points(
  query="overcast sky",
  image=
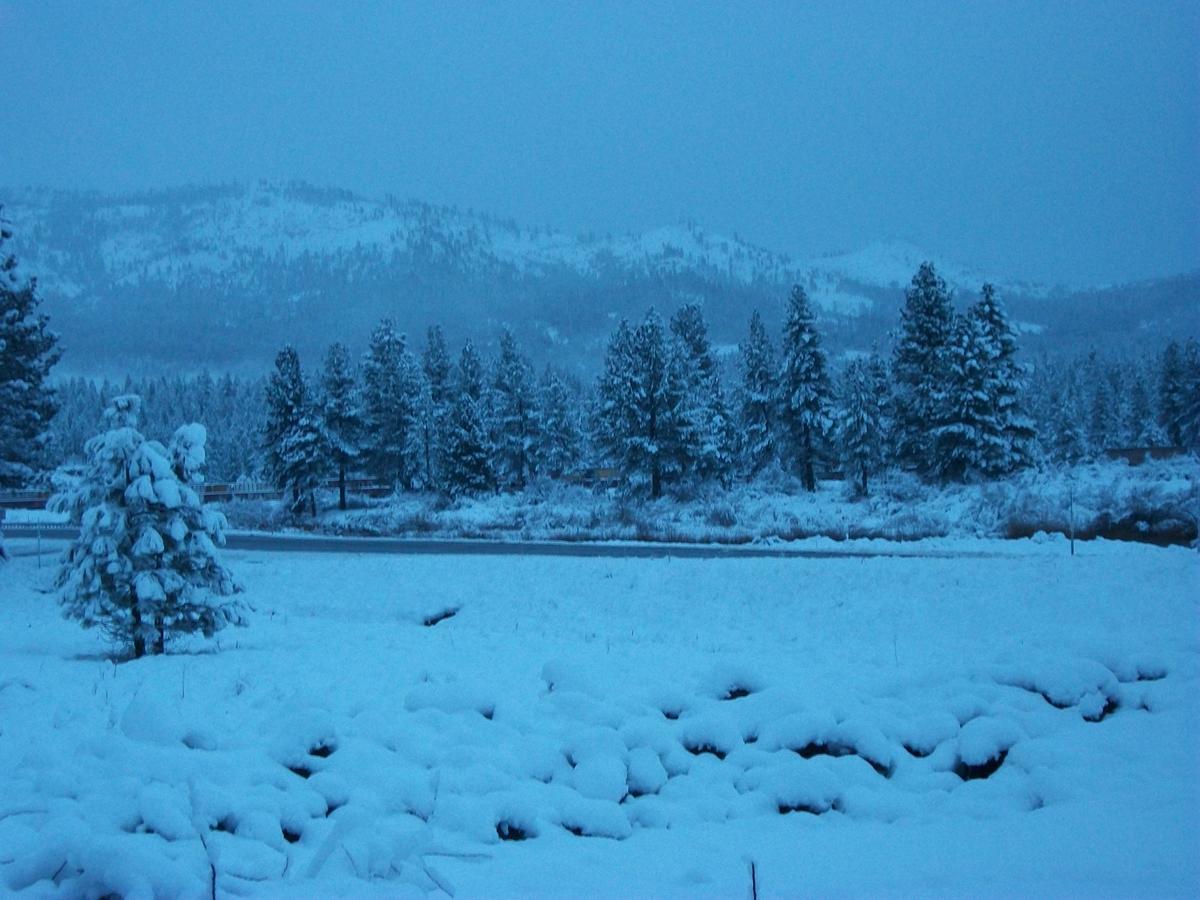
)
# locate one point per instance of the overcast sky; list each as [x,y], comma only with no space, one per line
[1054,141]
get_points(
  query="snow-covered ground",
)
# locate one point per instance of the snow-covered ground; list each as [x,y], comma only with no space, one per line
[595,708]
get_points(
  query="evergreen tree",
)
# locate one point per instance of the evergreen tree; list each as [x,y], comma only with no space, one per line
[758,398]
[640,396]
[1142,420]
[805,394]
[559,445]
[615,413]
[860,423]
[1172,391]
[1069,441]
[515,415]
[341,414]
[1011,447]
[708,436]
[969,435]
[1189,408]
[435,361]
[144,567]
[295,455]
[468,450]
[413,388]
[1103,417]
[28,350]
[919,368]
[388,406]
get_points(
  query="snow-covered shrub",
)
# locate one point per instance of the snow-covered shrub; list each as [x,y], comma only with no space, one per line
[144,567]
[903,487]
[1157,501]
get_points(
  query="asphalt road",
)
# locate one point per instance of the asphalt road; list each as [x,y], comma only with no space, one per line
[303,543]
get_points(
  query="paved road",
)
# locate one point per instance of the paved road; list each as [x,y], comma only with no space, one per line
[336,544]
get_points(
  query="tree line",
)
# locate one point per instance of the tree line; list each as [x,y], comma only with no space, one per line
[952,403]
[669,411]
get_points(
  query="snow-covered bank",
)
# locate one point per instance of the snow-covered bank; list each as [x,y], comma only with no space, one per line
[1157,503]
[648,726]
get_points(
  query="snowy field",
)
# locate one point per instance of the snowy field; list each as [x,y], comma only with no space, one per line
[1022,724]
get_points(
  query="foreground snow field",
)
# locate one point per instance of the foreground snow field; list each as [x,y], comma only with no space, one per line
[1027,723]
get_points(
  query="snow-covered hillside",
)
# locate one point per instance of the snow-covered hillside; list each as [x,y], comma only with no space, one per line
[224,275]
[170,235]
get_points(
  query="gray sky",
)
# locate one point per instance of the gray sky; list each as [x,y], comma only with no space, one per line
[1054,141]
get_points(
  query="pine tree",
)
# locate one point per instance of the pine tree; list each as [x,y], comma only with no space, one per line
[1142,420]
[1172,390]
[1103,416]
[28,351]
[860,423]
[559,442]
[144,567]
[758,398]
[1011,448]
[708,437]
[969,434]
[435,361]
[388,406]
[805,394]
[468,450]
[640,426]
[1069,441]
[295,455]
[515,415]
[1189,408]
[341,414]
[919,368]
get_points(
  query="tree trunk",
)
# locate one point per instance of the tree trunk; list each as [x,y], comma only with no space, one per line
[655,481]
[160,638]
[863,482]
[809,477]
[342,487]
[139,639]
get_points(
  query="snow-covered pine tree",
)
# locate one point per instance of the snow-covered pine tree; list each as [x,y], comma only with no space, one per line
[881,382]
[341,413]
[1103,413]
[1068,440]
[388,408]
[515,414]
[860,422]
[435,362]
[969,434]
[144,567]
[1142,419]
[919,368]
[413,389]
[805,395]
[1172,390]
[1189,409]
[467,462]
[758,397]
[559,440]
[28,350]
[708,435]
[640,397]
[295,455]
[614,413]
[1012,448]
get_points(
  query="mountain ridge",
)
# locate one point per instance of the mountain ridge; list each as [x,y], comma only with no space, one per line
[204,257]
